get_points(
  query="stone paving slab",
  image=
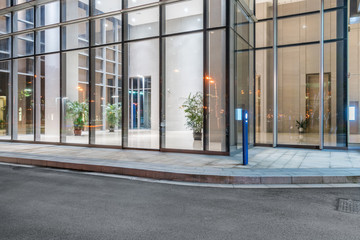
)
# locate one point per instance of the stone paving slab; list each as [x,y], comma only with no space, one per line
[195,168]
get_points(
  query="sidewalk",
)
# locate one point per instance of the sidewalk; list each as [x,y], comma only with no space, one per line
[266,165]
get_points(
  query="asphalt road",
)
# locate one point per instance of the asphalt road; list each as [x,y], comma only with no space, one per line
[39,203]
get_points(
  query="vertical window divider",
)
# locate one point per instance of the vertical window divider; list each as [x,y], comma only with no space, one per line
[91,72]
[321,84]
[205,76]
[275,53]
[12,109]
[124,62]
[35,85]
[161,78]
[62,76]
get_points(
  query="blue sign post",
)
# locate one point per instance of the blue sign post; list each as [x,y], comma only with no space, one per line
[245,141]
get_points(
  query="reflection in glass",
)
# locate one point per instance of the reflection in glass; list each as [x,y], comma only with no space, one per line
[5,23]
[48,98]
[23,85]
[264,9]
[286,7]
[216,13]
[134,3]
[5,110]
[183,83]
[104,6]
[76,97]
[5,48]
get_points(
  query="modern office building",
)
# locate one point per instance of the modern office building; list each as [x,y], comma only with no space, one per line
[170,75]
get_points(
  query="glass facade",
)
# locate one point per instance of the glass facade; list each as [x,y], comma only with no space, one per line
[301,76]
[143,74]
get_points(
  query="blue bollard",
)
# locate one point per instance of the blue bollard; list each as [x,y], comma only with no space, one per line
[245,145]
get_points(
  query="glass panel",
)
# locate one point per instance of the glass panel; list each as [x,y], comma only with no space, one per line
[104,6]
[24,44]
[335,95]
[108,30]
[216,91]
[241,24]
[5,110]
[334,24]
[264,104]
[24,19]
[264,9]
[298,94]
[21,1]
[5,48]
[333,3]
[48,98]
[74,9]
[286,7]
[216,13]
[48,40]
[134,3]
[108,102]
[23,99]
[75,35]
[354,84]
[143,94]
[264,34]
[184,92]
[299,29]
[5,24]
[184,16]
[142,24]
[76,97]
[48,14]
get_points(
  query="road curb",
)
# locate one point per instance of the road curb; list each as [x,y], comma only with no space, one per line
[185,177]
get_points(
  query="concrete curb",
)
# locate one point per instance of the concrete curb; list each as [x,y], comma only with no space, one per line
[186,177]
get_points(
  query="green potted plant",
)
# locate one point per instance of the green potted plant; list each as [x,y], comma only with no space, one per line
[194,113]
[113,114]
[78,113]
[302,124]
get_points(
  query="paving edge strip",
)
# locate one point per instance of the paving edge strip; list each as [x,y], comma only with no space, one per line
[185,177]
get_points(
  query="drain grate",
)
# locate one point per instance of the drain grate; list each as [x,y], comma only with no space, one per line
[348,206]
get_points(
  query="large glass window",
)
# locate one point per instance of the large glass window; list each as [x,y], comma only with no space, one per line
[47,98]
[5,23]
[23,89]
[143,23]
[108,95]
[286,7]
[24,19]
[5,48]
[142,94]
[5,97]
[184,92]
[264,95]
[74,9]
[107,30]
[134,3]
[48,14]
[184,16]
[76,97]
[216,13]
[75,35]
[104,6]
[298,95]
[48,40]
[24,44]
[216,91]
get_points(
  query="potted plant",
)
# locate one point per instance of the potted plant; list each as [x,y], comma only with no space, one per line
[302,124]
[193,108]
[113,114]
[78,112]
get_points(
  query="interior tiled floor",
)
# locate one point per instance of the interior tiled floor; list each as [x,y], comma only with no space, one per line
[260,157]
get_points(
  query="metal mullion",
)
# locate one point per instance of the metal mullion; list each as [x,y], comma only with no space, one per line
[321,84]
[11,99]
[227,78]
[298,44]
[205,76]
[275,77]
[297,14]
[161,78]
[62,75]
[35,76]
[125,92]
[91,103]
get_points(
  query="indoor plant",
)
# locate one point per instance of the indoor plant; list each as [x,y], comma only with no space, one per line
[193,108]
[113,114]
[78,112]
[302,124]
